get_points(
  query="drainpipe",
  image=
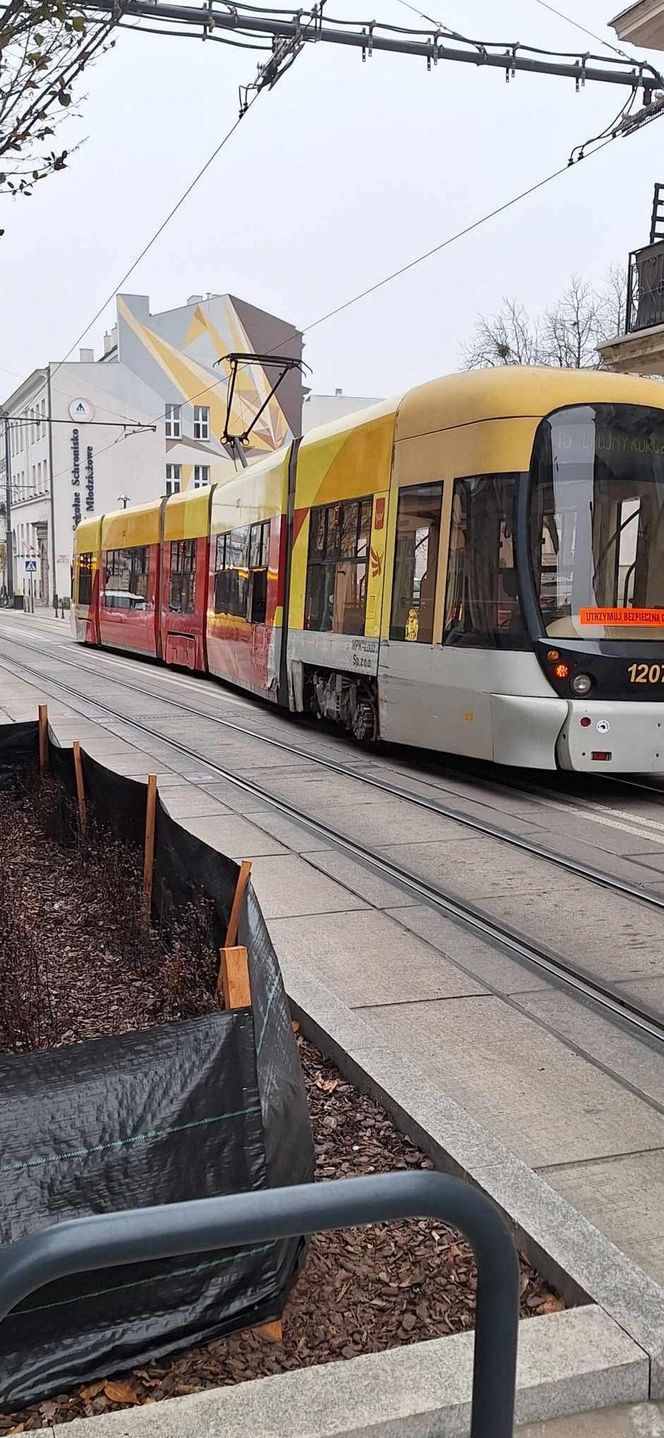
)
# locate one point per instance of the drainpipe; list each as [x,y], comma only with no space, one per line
[51,485]
[8,512]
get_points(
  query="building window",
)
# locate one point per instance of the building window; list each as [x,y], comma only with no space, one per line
[34,479]
[336,594]
[172,423]
[201,475]
[481,603]
[201,421]
[182,587]
[43,413]
[126,578]
[173,478]
[84,594]
[241,572]
[416,563]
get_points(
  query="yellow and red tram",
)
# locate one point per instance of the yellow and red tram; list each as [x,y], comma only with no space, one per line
[477,568]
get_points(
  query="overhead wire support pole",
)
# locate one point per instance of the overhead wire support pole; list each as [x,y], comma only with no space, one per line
[310,27]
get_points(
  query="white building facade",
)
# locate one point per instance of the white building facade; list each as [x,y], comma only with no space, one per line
[149,418]
[321,409]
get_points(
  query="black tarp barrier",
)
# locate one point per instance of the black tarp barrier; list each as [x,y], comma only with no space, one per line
[207,1106]
[19,752]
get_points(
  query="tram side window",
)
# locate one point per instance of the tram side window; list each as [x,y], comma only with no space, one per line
[126,578]
[416,563]
[336,595]
[182,586]
[241,568]
[259,547]
[85,579]
[481,603]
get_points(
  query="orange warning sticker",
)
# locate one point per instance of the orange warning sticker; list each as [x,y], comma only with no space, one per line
[640,617]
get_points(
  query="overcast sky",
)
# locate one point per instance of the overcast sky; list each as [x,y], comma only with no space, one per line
[339,175]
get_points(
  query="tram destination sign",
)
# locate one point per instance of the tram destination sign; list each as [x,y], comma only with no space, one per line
[587,441]
[643,618]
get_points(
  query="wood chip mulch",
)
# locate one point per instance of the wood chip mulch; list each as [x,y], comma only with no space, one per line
[360,1290]
[77,959]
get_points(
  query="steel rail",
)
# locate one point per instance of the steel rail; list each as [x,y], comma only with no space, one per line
[503,936]
[578,867]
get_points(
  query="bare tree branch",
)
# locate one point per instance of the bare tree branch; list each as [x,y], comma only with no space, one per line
[45,45]
[565,336]
[507,338]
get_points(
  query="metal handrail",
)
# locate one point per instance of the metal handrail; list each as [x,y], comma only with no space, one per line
[137,1235]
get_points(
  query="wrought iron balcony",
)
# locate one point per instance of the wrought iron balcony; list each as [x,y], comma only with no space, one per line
[645,288]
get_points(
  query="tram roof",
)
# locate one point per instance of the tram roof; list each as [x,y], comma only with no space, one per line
[125,528]
[515,391]
[187,514]
[87,535]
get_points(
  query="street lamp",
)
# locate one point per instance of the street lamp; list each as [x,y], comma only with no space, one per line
[123,499]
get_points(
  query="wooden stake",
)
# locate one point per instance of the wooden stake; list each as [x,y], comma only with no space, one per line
[233,978]
[238,900]
[43,738]
[271,1332]
[150,821]
[80,788]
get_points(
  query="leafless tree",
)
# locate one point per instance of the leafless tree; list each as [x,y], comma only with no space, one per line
[566,335]
[45,45]
[570,327]
[614,303]
[508,337]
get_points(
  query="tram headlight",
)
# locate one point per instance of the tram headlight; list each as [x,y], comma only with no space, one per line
[581,684]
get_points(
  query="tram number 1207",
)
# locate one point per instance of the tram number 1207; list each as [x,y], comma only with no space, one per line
[646,673]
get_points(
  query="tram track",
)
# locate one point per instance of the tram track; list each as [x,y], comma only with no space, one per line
[638,1019]
[469,770]
[579,868]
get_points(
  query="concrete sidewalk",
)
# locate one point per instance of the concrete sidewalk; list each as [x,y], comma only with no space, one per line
[639,1420]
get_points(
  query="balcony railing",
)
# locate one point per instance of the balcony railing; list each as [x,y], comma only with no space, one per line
[645,288]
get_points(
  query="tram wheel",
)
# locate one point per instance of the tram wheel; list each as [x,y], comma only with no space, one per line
[363,721]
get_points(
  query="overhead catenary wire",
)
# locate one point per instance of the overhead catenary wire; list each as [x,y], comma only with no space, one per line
[310,29]
[153,238]
[194,35]
[412,264]
[371,36]
[379,284]
[98,423]
[583,28]
[65,394]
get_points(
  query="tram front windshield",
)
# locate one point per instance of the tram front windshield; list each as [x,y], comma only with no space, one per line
[597,523]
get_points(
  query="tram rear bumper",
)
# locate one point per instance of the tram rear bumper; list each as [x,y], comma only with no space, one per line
[622,737]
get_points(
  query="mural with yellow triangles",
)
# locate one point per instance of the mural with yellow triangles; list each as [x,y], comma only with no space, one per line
[181,353]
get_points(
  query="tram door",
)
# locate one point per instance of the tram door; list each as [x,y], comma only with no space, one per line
[411,694]
[457,634]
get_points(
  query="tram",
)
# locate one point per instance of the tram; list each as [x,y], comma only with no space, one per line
[476,568]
